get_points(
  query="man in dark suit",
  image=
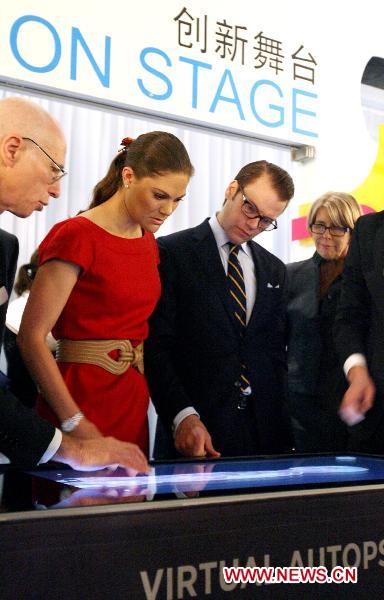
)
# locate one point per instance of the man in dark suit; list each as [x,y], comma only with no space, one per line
[29,176]
[359,333]
[215,357]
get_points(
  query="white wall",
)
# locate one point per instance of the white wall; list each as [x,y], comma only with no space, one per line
[342,36]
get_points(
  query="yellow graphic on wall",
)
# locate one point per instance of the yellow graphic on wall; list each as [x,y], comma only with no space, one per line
[369,194]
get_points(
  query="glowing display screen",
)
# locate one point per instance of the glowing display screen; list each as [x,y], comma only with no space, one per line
[207,476]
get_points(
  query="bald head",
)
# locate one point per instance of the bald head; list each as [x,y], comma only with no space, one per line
[26,119]
[29,168]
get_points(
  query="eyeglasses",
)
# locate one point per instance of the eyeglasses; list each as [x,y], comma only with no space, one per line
[335,230]
[252,212]
[59,172]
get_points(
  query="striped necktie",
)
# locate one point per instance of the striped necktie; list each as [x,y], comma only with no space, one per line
[239,301]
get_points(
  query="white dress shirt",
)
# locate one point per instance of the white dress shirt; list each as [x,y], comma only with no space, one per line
[355,360]
[52,448]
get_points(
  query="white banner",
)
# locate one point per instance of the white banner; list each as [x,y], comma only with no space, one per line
[239,66]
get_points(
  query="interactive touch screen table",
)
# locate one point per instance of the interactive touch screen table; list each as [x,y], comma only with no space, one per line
[67,534]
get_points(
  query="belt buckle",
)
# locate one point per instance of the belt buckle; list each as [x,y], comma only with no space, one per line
[138,358]
[131,356]
[125,356]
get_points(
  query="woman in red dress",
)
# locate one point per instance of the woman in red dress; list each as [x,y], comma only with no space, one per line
[96,286]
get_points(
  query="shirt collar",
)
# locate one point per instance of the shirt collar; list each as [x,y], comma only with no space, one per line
[221,236]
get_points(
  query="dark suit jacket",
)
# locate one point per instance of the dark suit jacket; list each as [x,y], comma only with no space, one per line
[9,251]
[314,368]
[359,323]
[194,352]
[24,437]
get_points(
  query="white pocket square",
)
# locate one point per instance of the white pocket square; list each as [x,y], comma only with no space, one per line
[269,285]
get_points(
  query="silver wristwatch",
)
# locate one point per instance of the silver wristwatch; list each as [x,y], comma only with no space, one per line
[72,422]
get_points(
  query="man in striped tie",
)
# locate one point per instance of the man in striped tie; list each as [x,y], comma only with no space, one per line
[215,358]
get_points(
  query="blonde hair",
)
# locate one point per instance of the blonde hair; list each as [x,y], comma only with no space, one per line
[343,209]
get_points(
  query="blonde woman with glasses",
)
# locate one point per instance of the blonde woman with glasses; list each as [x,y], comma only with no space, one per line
[315,378]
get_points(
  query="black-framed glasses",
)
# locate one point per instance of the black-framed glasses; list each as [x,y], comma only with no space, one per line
[59,171]
[335,230]
[252,212]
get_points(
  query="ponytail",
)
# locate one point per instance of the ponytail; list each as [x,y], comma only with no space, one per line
[152,153]
[26,275]
[110,183]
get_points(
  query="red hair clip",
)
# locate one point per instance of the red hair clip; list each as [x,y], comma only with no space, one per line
[126,142]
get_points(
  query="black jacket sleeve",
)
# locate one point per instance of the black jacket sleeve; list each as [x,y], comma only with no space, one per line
[166,388]
[353,316]
[24,436]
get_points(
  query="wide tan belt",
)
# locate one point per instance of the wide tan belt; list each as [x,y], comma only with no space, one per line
[96,352]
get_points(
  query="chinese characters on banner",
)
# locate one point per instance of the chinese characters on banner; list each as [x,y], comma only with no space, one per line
[237,43]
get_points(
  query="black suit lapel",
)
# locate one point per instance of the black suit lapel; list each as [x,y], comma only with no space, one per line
[208,256]
[260,287]
[263,285]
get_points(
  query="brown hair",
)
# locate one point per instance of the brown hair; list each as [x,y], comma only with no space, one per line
[343,209]
[26,275]
[152,153]
[281,180]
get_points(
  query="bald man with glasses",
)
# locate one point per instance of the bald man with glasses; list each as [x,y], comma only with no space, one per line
[30,174]
[215,357]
